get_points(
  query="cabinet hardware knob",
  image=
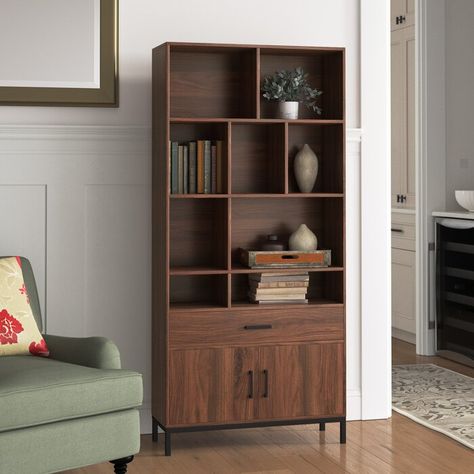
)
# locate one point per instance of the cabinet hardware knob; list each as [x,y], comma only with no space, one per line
[265,375]
[258,326]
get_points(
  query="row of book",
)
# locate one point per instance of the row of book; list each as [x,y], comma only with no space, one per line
[278,288]
[196,167]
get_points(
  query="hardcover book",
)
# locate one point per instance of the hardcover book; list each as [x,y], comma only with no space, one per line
[207,166]
[180,169]
[174,167]
[192,168]
[213,169]
[200,166]
[185,170]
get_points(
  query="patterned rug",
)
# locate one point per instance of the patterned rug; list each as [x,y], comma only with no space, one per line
[437,398]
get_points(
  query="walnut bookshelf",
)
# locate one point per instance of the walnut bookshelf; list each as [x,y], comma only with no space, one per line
[220,362]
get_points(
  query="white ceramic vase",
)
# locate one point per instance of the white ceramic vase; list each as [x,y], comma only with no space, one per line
[306,169]
[303,239]
[288,110]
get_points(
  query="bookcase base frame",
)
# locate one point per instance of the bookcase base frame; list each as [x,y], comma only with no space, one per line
[260,424]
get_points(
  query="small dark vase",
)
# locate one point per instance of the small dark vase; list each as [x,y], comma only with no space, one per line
[273,244]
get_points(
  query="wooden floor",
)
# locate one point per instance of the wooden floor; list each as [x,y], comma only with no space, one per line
[397,445]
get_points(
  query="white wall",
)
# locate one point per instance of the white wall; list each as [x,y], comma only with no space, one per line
[145,24]
[459,98]
[80,189]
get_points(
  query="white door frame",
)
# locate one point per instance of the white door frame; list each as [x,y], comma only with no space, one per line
[430,155]
[375,209]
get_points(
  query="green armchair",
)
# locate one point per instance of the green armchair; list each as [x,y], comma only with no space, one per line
[73,409]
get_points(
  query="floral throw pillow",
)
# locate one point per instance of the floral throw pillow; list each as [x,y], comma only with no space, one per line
[19,334]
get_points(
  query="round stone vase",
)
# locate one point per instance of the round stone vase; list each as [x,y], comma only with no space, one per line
[303,239]
[288,110]
[306,169]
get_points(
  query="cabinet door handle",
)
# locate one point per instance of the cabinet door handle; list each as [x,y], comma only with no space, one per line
[265,378]
[258,326]
[250,384]
[397,230]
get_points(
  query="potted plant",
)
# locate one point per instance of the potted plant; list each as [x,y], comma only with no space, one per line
[290,88]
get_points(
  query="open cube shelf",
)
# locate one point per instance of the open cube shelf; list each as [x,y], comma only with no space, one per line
[324,288]
[327,141]
[198,233]
[325,72]
[258,158]
[212,81]
[198,291]
[253,220]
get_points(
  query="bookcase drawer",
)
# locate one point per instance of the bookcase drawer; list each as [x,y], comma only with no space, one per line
[256,327]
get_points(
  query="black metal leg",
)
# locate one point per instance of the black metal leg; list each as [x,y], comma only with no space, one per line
[167,443]
[154,431]
[342,432]
[322,426]
[120,465]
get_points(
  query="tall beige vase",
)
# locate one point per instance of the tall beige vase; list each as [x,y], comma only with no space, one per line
[306,169]
[303,239]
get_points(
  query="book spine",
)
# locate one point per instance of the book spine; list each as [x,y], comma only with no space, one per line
[174,167]
[219,168]
[207,167]
[185,169]
[200,166]
[180,169]
[192,168]
[213,169]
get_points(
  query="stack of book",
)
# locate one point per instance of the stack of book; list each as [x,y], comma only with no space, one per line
[196,167]
[276,288]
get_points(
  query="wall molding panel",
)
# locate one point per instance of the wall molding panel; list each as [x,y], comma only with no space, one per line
[79,201]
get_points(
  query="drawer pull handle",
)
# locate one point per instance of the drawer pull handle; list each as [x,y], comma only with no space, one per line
[250,384]
[265,375]
[258,326]
[400,231]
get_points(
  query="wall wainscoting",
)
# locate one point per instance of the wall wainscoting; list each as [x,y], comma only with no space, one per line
[75,200]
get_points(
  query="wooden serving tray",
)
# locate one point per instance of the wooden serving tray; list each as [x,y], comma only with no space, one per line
[285,258]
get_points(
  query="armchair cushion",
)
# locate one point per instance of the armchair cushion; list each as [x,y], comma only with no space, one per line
[36,390]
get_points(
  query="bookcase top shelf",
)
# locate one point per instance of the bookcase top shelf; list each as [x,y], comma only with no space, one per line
[314,121]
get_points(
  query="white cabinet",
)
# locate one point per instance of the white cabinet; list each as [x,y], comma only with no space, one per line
[402,14]
[403,117]
[403,290]
[403,276]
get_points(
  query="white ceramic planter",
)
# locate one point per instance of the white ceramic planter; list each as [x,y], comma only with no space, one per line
[288,110]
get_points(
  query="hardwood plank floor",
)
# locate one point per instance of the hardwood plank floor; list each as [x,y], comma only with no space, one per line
[397,445]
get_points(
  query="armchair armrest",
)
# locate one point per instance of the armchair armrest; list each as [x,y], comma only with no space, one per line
[96,352]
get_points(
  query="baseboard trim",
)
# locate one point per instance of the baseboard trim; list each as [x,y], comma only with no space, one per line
[404,335]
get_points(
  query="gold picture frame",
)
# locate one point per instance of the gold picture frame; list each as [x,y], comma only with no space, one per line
[107,95]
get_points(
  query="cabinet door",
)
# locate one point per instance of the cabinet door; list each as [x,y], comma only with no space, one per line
[197,386]
[402,8]
[410,116]
[243,384]
[403,290]
[397,9]
[403,116]
[305,380]
[399,93]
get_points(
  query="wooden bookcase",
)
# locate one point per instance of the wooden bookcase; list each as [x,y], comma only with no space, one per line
[211,369]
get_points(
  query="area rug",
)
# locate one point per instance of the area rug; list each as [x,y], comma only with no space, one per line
[437,398]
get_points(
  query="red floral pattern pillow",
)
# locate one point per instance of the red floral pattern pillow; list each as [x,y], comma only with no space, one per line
[19,334]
